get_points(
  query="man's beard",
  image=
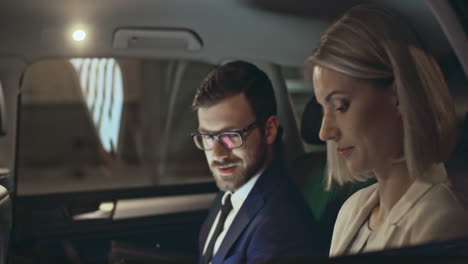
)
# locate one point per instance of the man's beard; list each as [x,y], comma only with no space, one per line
[240,176]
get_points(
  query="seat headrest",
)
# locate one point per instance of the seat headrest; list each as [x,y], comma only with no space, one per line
[3,192]
[462,145]
[311,123]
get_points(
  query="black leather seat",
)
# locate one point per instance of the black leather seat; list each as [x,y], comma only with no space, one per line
[457,165]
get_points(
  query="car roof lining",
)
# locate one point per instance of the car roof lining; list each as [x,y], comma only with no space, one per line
[227,28]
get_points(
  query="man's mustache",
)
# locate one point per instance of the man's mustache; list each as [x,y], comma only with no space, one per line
[225,163]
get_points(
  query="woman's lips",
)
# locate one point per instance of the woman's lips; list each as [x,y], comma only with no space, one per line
[345,152]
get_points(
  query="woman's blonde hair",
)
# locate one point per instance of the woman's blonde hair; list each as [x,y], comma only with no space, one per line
[371,43]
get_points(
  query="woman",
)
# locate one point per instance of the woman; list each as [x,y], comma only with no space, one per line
[388,114]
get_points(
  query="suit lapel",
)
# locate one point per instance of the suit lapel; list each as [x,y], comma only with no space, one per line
[248,211]
[205,230]
[254,202]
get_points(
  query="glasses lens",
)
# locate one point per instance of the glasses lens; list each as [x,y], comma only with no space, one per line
[231,139]
[203,142]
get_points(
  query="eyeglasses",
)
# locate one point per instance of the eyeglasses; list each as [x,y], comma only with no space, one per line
[229,139]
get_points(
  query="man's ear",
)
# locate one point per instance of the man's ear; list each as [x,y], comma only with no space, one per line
[271,129]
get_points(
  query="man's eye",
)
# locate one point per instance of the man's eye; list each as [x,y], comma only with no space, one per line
[207,137]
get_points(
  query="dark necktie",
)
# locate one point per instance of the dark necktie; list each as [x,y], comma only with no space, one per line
[225,209]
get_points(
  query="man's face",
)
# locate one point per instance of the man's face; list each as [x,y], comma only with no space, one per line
[232,168]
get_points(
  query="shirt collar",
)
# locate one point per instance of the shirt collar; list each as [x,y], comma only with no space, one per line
[238,198]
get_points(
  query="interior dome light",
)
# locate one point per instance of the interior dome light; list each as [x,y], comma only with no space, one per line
[79,35]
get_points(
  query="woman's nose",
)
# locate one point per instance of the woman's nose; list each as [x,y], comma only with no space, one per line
[329,129]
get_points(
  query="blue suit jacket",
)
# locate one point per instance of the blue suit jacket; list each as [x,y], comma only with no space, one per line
[274,223]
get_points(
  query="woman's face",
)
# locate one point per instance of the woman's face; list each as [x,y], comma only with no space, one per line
[361,118]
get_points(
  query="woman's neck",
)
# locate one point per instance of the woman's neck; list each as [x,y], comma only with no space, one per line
[393,184]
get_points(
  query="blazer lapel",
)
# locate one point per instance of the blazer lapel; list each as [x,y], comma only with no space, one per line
[407,201]
[384,238]
[357,222]
[415,192]
[399,210]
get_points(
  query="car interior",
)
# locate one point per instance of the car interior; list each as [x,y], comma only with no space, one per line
[97,164]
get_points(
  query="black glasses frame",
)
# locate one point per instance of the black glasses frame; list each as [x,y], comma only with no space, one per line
[217,136]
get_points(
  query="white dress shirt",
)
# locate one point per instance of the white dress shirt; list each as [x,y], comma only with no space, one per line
[237,199]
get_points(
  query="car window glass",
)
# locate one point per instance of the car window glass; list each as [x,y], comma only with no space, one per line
[102,123]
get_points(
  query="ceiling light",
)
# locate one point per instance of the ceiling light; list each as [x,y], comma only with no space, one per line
[79,35]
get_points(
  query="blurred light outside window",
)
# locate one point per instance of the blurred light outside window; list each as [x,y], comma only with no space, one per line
[102,87]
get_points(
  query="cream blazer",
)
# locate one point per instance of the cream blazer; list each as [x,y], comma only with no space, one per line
[426,212]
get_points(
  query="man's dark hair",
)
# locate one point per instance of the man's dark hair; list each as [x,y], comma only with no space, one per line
[234,78]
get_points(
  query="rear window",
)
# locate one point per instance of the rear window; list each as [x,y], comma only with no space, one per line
[102,123]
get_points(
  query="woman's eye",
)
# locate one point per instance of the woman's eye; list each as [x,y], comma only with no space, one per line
[344,106]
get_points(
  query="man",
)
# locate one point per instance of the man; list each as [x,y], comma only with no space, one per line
[259,215]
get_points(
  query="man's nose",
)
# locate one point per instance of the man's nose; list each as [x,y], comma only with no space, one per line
[329,129]
[219,151]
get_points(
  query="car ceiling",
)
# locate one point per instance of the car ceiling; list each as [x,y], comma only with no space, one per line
[283,32]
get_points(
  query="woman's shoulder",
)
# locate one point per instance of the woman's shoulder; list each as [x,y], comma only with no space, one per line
[439,215]
[441,199]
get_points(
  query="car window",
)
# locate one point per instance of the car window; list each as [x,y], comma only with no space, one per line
[91,124]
